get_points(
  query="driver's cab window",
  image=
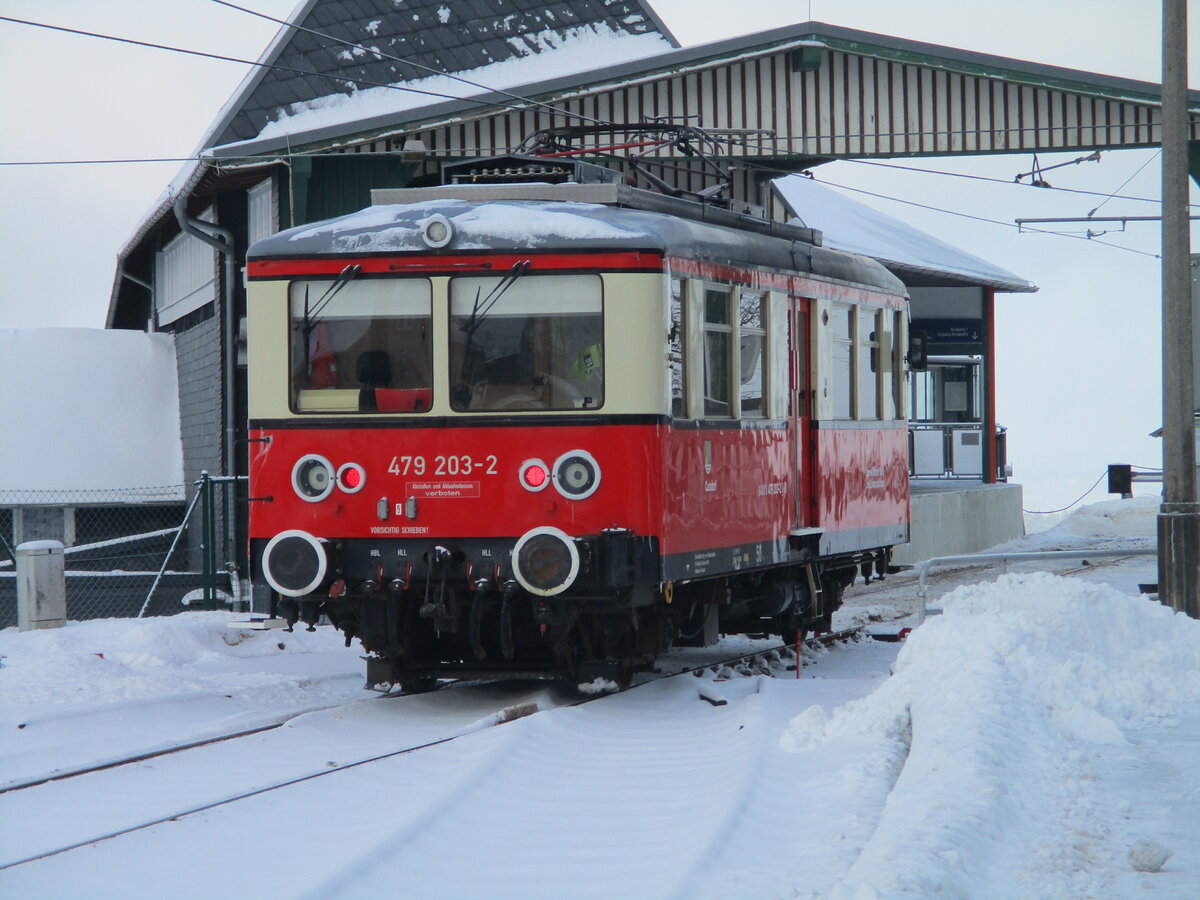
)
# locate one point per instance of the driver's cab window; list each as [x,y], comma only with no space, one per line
[361,345]
[526,342]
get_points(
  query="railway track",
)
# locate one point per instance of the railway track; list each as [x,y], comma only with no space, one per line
[773,660]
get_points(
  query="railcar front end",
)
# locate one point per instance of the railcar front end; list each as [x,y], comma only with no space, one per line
[553,439]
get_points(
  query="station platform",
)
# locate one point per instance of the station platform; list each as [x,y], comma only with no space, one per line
[953,516]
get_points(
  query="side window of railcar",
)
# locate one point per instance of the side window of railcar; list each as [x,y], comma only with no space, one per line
[868,364]
[843,360]
[361,346]
[891,365]
[751,343]
[718,351]
[899,351]
[675,349]
[536,342]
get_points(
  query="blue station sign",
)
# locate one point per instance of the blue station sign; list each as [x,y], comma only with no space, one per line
[951,331]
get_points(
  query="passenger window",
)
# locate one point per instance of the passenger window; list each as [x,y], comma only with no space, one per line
[843,357]
[751,344]
[675,350]
[887,363]
[868,356]
[718,345]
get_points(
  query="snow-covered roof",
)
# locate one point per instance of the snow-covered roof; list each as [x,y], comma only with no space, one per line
[88,409]
[918,258]
[546,55]
[338,48]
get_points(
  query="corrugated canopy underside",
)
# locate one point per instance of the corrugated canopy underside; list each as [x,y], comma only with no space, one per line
[441,35]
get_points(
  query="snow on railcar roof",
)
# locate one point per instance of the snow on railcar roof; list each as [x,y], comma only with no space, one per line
[520,225]
[478,226]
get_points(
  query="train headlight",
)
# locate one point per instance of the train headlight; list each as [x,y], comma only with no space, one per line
[312,477]
[534,475]
[351,477]
[576,474]
[545,561]
[437,231]
[295,563]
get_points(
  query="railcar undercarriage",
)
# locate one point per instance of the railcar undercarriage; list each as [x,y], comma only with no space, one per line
[415,634]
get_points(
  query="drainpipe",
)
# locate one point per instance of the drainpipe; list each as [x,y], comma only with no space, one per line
[152,321]
[221,240]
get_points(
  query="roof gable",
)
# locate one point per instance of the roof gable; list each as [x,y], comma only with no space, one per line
[337,47]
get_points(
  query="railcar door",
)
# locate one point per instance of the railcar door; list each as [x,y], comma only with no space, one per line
[800,411]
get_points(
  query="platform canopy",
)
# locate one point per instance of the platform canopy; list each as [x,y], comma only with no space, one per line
[914,256]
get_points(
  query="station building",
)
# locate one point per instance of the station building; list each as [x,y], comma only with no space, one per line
[350,97]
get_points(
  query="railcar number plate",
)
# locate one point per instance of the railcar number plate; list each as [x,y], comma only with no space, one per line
[453,464]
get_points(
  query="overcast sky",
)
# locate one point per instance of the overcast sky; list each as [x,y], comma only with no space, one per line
[1078,362]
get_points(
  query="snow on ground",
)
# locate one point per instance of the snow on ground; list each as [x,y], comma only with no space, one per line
[1124,520]
[1037,739]
[110,688]
[1015,711]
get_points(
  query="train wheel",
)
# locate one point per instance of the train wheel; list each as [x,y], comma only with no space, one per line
[417,684]
[794,636]
[625,669]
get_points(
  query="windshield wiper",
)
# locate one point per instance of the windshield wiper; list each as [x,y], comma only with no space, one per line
[344,278]
[484,306]
[309,323]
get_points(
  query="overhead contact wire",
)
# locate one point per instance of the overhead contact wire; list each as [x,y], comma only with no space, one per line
[358,82]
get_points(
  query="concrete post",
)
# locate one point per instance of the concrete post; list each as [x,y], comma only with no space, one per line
[1179,515]
[41,586]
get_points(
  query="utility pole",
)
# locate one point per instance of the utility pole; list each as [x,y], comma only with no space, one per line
[1179,515]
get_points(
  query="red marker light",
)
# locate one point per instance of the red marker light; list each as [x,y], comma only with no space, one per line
[351,477]
[534,475]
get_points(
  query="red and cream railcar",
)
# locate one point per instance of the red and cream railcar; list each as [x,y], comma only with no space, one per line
[554,430]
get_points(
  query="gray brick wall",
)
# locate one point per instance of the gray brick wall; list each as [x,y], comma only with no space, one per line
[198,360]
[198,357]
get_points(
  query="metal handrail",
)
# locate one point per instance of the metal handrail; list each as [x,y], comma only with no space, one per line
[924,566]
[947,429]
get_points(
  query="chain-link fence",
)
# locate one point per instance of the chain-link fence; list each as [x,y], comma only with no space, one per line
[144,551]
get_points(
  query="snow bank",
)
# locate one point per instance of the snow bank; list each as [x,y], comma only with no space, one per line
[1097,525]
[120,660]
[1000,704]
[1135,517]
